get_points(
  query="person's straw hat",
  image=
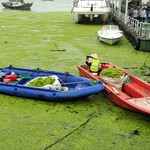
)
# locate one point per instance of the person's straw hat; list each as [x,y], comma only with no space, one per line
[95,56]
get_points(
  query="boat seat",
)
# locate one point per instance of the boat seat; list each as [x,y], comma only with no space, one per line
[135,90]
[117,91]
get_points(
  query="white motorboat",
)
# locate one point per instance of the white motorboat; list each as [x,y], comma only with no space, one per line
[99,9]
[110,34]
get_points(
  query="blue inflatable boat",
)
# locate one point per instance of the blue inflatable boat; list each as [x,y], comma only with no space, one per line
[46,85]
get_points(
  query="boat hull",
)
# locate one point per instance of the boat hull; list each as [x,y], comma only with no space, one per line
[79,17]
[91,9]
[77,86]
[24,6]
[134,96]
[109,41]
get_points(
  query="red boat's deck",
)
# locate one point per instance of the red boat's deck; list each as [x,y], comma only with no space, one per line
[135,89]
[142,102]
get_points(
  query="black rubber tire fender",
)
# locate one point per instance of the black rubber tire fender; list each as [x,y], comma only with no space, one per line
[136,43]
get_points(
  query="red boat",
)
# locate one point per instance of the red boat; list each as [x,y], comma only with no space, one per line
[134,95]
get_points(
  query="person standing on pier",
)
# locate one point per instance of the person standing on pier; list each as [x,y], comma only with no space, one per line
[148,17]
[148,14]
[142,14]
[135,14]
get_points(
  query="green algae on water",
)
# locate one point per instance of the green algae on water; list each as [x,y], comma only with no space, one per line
[26,41]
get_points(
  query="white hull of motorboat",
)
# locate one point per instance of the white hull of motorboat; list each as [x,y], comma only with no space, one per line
[91,9]
[109,41]
[110,34]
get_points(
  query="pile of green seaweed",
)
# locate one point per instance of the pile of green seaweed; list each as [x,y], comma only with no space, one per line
[42,81]
[112,73]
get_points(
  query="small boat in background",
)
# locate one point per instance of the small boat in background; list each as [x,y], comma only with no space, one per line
[17,4]
[46,85]
[134,94]
[99,9]
[110,34]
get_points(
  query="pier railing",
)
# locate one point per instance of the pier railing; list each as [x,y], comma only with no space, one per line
[142,30]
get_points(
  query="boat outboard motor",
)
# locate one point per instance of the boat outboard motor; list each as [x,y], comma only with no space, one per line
[91,7]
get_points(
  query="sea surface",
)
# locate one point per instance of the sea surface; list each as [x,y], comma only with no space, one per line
[46,5]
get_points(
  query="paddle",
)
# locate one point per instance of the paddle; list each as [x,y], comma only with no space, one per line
[65,77]
[92,82]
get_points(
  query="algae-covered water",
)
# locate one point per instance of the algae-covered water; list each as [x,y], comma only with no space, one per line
[53,41]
